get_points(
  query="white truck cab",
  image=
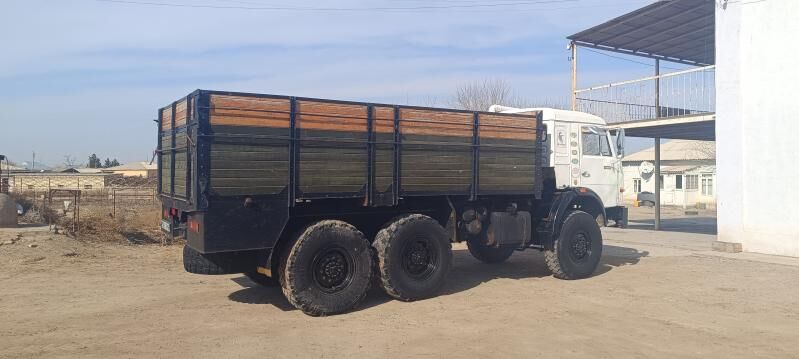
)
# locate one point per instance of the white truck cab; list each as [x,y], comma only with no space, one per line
[584,153]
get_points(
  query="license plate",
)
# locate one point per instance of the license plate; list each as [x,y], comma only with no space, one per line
[166,226]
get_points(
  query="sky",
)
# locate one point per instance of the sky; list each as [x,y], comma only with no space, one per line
[85,76]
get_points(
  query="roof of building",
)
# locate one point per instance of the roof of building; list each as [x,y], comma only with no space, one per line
[133,166]
[673,30]
[676,150]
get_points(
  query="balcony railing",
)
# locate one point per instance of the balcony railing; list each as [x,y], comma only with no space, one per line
[688,92]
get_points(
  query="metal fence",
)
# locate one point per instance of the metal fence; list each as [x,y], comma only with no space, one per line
[680,93]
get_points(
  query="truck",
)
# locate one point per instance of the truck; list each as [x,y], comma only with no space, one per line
[323,198]
[585,152]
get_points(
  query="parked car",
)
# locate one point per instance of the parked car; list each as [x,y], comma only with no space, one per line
[646,198]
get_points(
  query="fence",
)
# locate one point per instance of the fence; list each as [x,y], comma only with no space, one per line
[680,93]
[131,203]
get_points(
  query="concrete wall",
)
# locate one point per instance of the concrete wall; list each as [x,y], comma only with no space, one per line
[756,125]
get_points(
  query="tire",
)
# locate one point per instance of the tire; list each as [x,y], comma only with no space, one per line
[327,269]
[261,279]
[578,248]
[414,255]
[488,254]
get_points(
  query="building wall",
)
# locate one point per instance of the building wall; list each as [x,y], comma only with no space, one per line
[20,183]
[756,125]
[138,173]
[670,195]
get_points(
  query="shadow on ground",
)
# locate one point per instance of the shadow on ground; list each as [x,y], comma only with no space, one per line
[466,273]
[699,225]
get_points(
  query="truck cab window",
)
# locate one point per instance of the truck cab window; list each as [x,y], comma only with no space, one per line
[595,144]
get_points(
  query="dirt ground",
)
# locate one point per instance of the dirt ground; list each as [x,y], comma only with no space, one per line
[658,297]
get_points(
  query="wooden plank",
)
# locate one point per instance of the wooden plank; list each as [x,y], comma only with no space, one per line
[314,115]
[249,111]
[180,113]
[166,118]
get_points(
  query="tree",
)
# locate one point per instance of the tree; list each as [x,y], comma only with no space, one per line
[110,163]
[480,95]
[69,161]
[94,161]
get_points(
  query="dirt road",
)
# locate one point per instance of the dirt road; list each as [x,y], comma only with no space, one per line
[64,298]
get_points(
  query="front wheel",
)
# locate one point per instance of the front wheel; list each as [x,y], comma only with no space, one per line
[578,248]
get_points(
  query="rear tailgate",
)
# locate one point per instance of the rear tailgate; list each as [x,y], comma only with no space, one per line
[175,153]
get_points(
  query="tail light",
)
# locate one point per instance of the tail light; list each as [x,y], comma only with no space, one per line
[193,225]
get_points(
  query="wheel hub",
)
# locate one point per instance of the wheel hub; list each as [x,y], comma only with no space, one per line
[417,259]
[331,270]
[581,246]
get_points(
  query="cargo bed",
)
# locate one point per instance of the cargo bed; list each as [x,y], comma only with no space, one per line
[219,149]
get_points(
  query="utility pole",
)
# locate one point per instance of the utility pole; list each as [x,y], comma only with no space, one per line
[657,147]
[573,47]
[33,161]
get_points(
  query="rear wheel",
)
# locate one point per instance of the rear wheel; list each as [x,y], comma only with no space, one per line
[578,248]
[328,268]
[414,255]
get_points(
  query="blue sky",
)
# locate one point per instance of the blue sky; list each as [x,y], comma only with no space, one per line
[85,76]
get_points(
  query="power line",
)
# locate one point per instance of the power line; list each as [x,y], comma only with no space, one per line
[295,8]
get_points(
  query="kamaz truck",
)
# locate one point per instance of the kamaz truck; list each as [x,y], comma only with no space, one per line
[323,198]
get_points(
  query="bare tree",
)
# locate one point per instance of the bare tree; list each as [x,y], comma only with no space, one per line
[69,161]
[480,95]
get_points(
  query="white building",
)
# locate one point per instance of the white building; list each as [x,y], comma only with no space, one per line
[756,131]
[688,174]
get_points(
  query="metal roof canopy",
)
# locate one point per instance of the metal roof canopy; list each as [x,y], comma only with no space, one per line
[681,31]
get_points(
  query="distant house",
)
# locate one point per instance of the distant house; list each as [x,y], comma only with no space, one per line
[135,169]
[688,173]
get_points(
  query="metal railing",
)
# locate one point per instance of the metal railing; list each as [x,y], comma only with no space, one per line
[681,93]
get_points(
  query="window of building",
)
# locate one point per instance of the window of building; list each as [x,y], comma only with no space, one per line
[60,186]
[637,185]
[678,182]
[692,182]
[595,144]
[30,186]
[707,185]
[87,186]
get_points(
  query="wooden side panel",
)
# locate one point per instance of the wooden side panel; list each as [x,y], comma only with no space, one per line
[249,169]
[181,113]
[436,151]
[507,153]
[166,118]
[249,111]
[250,151]
[333,155]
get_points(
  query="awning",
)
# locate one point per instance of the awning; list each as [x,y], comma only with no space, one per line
[680,31]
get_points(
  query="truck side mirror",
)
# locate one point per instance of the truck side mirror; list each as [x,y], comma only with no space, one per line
[620,143]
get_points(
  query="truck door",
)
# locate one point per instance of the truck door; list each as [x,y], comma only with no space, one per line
[598,166]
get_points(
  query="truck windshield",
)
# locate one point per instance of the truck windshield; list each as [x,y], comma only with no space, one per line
[595,144]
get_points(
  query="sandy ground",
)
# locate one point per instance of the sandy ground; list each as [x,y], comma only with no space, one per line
[659,295]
